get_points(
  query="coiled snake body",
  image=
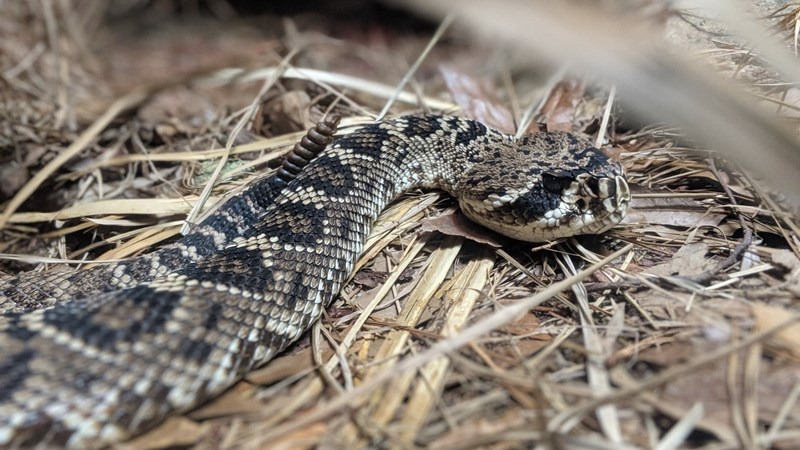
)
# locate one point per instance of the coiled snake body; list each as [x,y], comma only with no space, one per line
[93,357]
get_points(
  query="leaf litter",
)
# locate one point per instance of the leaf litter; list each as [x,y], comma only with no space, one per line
[671,344]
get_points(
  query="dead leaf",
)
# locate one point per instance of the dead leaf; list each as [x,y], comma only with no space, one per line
[526,324]
[784,258]
[457,225]
[12,177]
[768,316]
[666,355]
[721,429]
[787,259]
[688,260]
[708,385]
[286,113]
[560,106]
[368,278]
[508,354]
[671,211]
[477,99]
[475,428]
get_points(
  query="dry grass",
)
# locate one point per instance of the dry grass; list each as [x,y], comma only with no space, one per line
[677,329]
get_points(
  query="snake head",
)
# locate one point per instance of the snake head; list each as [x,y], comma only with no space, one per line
[571,189]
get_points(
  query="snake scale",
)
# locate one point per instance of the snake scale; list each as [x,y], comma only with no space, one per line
[94,357]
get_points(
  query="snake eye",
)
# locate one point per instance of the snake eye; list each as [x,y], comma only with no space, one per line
[554,183]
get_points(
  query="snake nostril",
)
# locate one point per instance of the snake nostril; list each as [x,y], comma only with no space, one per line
[621,189]
[581,203]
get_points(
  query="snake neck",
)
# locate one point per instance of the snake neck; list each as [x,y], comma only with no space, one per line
[417,151]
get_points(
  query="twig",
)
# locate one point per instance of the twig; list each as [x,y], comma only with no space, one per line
[741,247]
[606,115]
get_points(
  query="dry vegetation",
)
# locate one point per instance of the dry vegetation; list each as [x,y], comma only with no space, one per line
[672,331]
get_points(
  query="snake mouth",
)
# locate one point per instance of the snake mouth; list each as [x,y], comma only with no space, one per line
[592,205]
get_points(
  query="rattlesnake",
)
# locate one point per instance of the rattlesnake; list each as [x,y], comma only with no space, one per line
[161,333]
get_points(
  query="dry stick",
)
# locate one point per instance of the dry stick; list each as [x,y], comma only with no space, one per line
[496,320]
[606,115]
[407,77]
[728,192]
[741,247]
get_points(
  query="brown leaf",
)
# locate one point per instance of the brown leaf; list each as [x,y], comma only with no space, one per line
[524,325]
[457,225]
[478,100]
[509,355]
[369,278]
[671,211]
[559,108]
[688,260]
[476,428]
[666,355]
[783,257]
[12,178]
[774,383]
[787,259]
[708,385]
[285,113]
